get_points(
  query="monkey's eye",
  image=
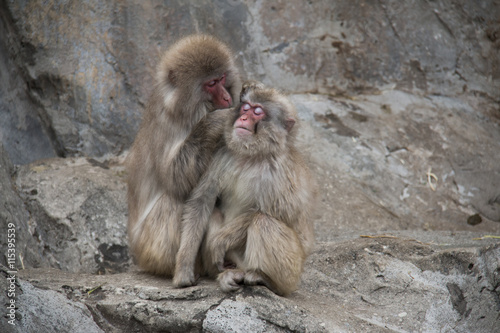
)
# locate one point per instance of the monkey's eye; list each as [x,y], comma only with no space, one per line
[258,111]
[212,83]
[246,107]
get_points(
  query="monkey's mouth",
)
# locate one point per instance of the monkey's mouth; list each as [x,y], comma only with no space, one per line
[243,130]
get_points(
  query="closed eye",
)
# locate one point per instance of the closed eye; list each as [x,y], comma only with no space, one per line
[258,111]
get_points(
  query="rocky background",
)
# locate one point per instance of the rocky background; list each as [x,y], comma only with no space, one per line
[400,108]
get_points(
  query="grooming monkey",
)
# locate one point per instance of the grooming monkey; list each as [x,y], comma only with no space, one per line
[261,232]
[174,145]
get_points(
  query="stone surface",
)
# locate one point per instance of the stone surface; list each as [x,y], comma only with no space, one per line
[383,283]
[78,213]
[41,310]
[400,110]
[14,215]
[78,74]
[21,128]
[379,154]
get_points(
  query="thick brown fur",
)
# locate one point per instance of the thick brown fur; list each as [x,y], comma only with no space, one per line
[174,145]
[263,223]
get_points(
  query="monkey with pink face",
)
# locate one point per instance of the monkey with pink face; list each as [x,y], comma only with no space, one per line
[261,231]
[174,145]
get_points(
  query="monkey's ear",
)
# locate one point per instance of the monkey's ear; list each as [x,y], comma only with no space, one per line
[171,77]
[289,122]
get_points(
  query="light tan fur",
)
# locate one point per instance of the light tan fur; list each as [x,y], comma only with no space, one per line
[174,145]
[266,195]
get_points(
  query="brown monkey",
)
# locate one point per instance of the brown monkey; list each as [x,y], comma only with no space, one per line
[174,144]
[265,191]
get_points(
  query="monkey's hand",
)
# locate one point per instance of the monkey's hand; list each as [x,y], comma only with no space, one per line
[249,85]
[211,129]
[218,119]
[231,279]
[184,277]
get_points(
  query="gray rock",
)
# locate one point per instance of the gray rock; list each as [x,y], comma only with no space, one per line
[78,213]
[378,154]
[405,285]
[78,77]
[22,131]
[362,284]
[233,316]
[38,310]
[16,224]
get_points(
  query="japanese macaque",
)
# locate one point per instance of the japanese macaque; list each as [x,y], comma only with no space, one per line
[260,231]
[174,145]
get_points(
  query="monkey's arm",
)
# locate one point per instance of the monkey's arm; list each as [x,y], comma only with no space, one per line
[195,154]
[196,215]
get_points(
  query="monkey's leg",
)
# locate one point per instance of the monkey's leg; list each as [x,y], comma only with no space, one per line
[224,246]
[214,226]
[156,242]
[232,237]
[274,255]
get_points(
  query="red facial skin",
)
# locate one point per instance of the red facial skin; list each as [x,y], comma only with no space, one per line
[250,115]
[221,99]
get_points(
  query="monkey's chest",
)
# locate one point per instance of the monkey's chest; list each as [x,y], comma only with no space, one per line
[254,189]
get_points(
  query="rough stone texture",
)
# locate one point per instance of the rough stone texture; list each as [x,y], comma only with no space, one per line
[235,316]
[400,109]
[41,310]
[381,284]
[374,153]
[406,285]
[78,213]
[21,129]
[13,211]
[79,73]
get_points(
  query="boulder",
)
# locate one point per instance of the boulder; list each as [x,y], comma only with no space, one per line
[382,283]
[78,213]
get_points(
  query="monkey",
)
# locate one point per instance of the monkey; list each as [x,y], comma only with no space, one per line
[263,231]
[197,81]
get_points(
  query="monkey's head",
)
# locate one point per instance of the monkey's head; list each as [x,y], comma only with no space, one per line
[262,124]
[200,71]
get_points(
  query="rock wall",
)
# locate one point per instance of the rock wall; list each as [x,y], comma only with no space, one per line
[78,73]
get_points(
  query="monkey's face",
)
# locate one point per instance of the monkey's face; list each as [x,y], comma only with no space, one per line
[261,124]
[217,92]
[249,116]
[198,75]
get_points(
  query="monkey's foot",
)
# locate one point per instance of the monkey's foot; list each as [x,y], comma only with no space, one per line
[253,279]
[184,278]
[231,279]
